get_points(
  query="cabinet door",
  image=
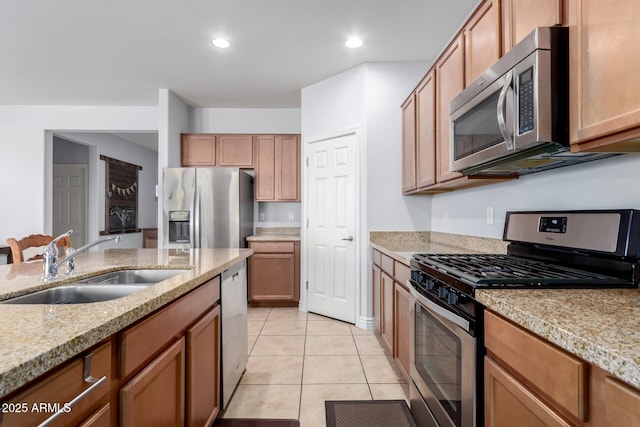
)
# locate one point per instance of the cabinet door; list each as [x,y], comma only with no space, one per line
[622,404]
[272,277]
[409,144]
[377,296]
[482,40]
[235,150]
[100,418]
[426,131]
[520,17]
[265,180]
[198,150]
[605,95]
[507,400]
[402,320]
[203,370]
[287,171]
[155,397]
[449,83]
[386,322]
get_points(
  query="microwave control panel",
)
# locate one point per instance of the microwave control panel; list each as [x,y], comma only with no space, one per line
[525,101]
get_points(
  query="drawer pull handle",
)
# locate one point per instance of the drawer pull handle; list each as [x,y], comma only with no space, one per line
[75,400]
[87,369]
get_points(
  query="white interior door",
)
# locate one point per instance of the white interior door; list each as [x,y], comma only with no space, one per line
[331,245]
[70,202]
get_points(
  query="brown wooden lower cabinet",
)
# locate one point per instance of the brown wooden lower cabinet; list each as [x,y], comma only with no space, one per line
[507,400]
[155,396]
[529,379]
[391,307]
[401,323]
[274,273]
[203,370]
[386,321]
[100,418]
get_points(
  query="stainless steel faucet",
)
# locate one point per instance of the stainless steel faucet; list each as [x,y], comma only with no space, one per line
[51,263]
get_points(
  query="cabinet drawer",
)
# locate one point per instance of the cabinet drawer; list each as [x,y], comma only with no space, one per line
[386,262]
[402,273]
[61,387]
[272,247]
[140,342]
[376,257]
[556,374]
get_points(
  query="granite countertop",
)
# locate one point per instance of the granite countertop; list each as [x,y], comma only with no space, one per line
[273,237]
[277,234]
[36,338]
[597,325]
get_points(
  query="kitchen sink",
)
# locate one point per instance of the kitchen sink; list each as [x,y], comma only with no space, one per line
[76,294]
[103,287]
[130,277]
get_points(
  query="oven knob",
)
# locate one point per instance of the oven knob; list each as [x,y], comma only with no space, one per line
[442,292]
[430,283]
[452,298]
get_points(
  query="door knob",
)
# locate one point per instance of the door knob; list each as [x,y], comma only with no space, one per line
[348,239]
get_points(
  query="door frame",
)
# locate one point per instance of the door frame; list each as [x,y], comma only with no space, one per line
[304,258]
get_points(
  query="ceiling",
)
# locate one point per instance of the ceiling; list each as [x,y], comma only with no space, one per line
[120,52]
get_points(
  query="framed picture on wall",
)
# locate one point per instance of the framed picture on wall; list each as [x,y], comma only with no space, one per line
[121,196]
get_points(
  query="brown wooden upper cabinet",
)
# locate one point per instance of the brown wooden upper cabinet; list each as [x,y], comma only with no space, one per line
[520,17]
[235,150]
[277,168]
[482,40]
[449,83]
[217,150]
[418,136]
[198,149]
[605,94]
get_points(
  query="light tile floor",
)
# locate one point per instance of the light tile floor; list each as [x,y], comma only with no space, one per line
[299,360]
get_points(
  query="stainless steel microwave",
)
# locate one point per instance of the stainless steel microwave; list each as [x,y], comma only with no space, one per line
[514,119]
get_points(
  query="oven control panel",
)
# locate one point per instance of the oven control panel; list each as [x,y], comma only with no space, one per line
[447,295]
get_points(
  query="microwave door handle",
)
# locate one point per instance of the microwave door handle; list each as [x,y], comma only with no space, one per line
[502,123]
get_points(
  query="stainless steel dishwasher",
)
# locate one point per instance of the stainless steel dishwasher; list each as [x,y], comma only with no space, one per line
[233,306]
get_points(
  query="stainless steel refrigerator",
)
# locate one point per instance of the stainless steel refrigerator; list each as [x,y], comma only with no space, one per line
[207,207]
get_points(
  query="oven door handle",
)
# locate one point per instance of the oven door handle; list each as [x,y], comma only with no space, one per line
[443,312]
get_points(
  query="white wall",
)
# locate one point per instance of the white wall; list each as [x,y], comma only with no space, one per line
[245,120]
[367,99]
[27,152]
[604,184]
[173,119]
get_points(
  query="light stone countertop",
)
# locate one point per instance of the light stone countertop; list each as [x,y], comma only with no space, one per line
[273,238]
[596,325]
[36,338]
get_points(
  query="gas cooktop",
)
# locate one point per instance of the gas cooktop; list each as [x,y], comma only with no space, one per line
[551,249]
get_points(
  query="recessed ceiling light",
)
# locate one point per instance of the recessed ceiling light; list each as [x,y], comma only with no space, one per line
[353,43]
[220,42]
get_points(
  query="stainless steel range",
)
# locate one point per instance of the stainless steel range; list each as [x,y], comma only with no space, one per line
[547,249]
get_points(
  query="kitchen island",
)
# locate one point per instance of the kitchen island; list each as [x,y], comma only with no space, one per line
[37,338]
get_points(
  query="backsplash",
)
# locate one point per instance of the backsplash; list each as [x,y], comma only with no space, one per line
[287,231]
[414,240]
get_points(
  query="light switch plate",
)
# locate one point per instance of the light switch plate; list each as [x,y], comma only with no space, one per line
[490,215]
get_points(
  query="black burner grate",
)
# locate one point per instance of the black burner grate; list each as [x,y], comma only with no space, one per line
[490,269]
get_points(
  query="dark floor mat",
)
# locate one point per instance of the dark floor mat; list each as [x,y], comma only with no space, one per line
[255,422]
[368,413]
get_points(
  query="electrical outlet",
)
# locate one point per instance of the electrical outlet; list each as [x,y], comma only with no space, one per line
[261,216]
[490,215]
[445,216]
[290,216]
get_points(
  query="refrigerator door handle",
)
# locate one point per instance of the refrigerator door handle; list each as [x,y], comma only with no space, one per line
[196,227]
